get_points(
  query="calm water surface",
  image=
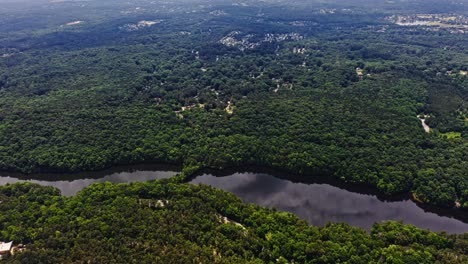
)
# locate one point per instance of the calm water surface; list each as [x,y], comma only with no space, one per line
[322,203]
[71,184]
[316,203]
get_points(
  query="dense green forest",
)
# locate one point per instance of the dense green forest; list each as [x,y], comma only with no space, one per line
[168,222]
[324,89]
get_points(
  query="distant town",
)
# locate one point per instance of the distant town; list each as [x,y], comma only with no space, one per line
[457,24]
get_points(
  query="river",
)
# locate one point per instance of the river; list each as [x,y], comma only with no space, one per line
[317,203]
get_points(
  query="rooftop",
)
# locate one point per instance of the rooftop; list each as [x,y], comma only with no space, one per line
[5,246]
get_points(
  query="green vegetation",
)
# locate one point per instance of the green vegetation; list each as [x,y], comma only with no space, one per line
[450,135]
[165,222]
[90,96]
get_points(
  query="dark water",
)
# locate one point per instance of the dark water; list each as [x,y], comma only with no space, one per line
[316,203]
[322,203]
[70,184]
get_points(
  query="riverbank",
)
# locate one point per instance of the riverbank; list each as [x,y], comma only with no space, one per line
[179,174]
[320,203]
[360,188]
[161,221]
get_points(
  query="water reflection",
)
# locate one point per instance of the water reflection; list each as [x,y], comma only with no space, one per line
[318,203]
[322,203]
[71,184]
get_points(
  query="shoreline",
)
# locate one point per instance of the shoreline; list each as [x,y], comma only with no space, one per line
[184,176]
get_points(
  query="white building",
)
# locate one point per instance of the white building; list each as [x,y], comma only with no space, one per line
[5,248]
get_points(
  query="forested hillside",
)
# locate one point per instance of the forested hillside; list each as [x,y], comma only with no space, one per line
[316,90]
[166,222]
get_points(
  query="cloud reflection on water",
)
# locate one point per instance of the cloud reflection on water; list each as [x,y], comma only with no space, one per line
[322,203]
[316,203]
[71,187]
